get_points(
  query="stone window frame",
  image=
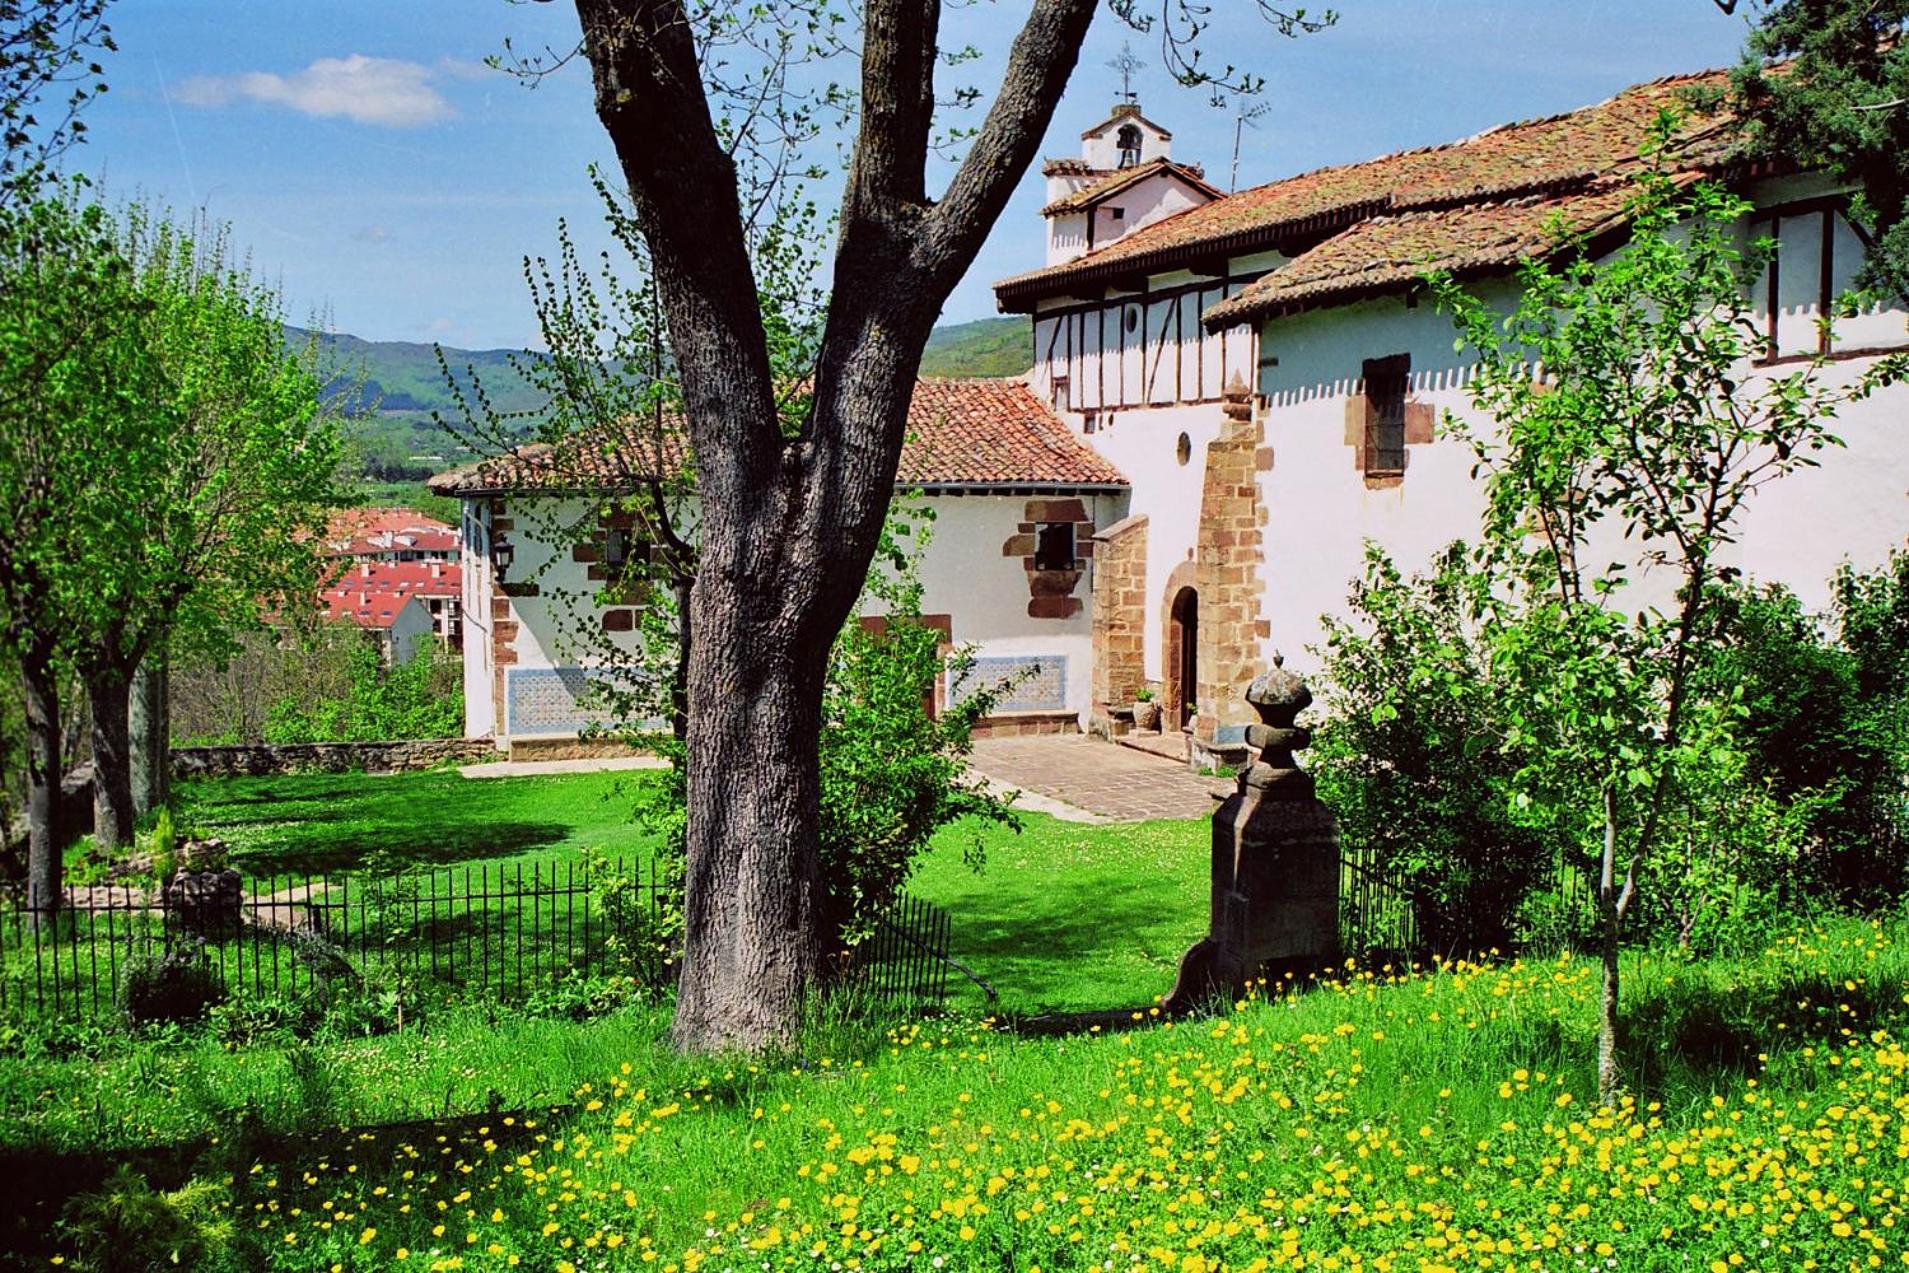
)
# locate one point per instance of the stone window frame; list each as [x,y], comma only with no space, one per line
[1388,384]
[1415,422]
[1051,590]
[620,592]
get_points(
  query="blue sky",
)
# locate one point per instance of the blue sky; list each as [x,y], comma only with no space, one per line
[389,181]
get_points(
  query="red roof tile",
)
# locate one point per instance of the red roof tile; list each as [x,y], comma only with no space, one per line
[993,433]
[1551,156]
[365,610]
[393,578]
[960,433]
[1387,253]
[353,532]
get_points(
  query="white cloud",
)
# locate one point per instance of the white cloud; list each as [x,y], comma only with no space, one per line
[367,90]
[375,234]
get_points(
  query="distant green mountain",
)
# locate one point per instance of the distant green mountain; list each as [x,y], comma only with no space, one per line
[986,347]
[400,444]
[404,375]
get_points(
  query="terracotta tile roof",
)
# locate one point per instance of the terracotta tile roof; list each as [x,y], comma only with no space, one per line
[993,433]
[367,610]
[1551,156]
[620,457]
[1072,167]
[1119,180]
[357,532]
[1391,252]
[961,433]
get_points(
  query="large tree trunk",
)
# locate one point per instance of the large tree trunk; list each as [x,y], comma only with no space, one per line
[151,730]
[749,935]
[788,529]
[109,696]
[43,786]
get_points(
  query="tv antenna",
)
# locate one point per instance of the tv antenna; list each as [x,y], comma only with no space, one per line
[1242,117]
[1126,63]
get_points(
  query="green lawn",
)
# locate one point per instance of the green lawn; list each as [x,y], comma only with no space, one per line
[1416,1121]
[333,822]
[1063,916]
[1067,916]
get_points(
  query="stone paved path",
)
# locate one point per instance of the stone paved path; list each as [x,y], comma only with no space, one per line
[535,768]
[1115,783]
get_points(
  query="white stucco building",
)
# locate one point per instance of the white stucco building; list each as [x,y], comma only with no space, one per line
[1016,500]
[1249,518]
[1231,395]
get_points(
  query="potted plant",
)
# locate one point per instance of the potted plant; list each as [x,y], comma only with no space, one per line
[1146,712]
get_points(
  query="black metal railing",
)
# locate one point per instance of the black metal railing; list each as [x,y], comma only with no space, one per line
[497,931]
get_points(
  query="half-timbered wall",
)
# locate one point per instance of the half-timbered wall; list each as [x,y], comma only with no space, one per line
[1817,256]
[1144,349]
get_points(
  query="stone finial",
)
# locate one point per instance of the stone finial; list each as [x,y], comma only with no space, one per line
[1278,696]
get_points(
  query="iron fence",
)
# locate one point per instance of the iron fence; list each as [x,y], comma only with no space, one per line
[499,931]
[1380,913]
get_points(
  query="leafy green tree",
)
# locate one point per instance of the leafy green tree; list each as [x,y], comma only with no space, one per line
[1825,84]
[1411,754]
[1826,720]
[74,372]
[893,765]
[1624,423]
[219,492]
[418,698]
[46,49]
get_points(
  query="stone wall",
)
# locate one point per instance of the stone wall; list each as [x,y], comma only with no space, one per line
[1024,724]
[383,757]
[568,748]
[1230,552]
[1120,613]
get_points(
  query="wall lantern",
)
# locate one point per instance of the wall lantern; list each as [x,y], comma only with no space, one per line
[501,555]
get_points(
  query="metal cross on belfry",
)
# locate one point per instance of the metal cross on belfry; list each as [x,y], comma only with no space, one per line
[1126,63]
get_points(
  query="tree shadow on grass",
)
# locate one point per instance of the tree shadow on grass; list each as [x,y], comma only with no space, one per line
[312,848]
[1712,1031]
[1037,950]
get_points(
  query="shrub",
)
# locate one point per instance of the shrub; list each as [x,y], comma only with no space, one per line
[126,1224]
[1786,766]
[893,770]
[1410,759]
[376,1001]
[244,1022]
[1826,719]
[376,702]
[642,926]
[177,986]
[580,997]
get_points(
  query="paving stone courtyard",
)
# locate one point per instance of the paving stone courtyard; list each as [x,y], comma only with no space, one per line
[1113,782]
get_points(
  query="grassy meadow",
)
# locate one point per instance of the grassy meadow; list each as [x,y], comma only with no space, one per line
[1385,1118]
[1381,1119]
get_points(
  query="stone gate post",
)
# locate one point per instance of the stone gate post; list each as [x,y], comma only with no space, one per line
[1275,870]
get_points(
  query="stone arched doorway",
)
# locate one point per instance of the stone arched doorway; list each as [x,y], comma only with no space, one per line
[1183,659]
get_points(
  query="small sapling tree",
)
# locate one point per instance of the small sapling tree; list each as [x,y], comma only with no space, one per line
[1628,421]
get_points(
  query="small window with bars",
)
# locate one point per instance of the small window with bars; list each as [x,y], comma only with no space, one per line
[1387,381]
[1054,546]
[623,548]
